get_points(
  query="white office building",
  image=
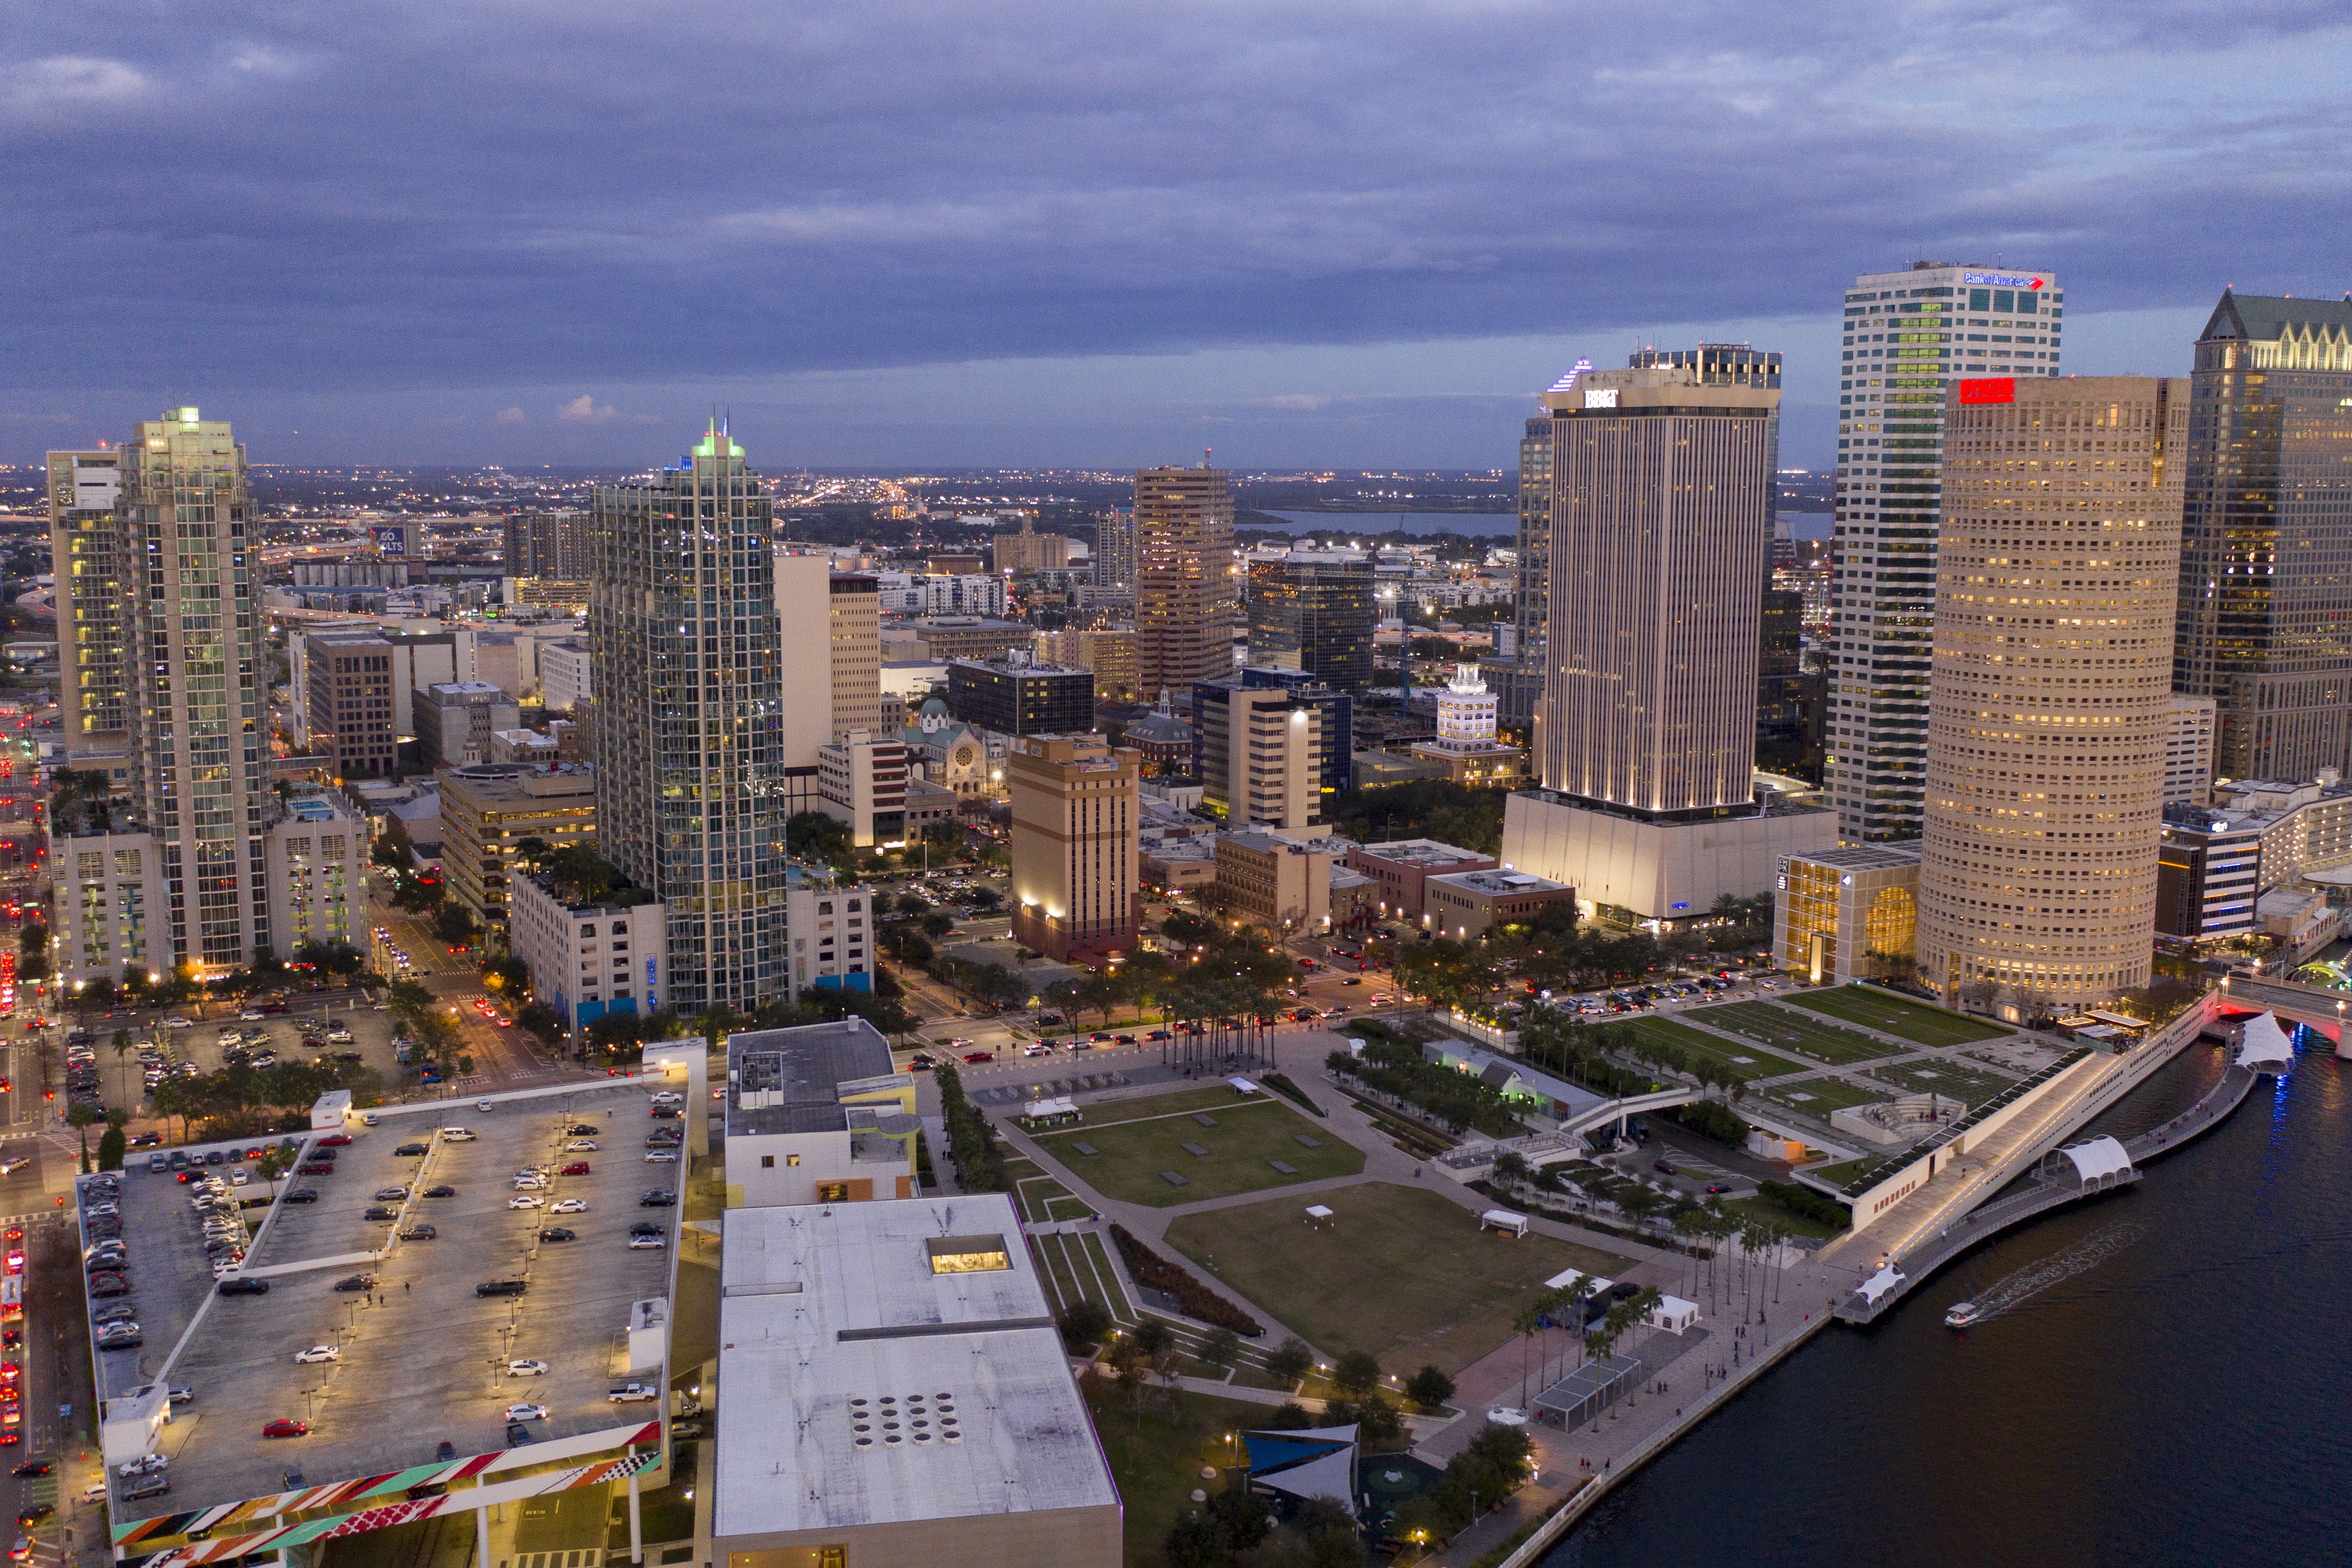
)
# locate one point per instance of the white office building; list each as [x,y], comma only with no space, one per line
[1907,335]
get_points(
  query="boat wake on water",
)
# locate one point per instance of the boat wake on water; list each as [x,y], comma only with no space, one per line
[2013,1291]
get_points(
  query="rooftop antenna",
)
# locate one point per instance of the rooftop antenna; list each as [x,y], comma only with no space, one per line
[1205,455]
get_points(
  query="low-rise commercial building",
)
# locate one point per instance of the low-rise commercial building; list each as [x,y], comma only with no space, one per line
[2214,862]
[1278,882]
[863,781]
[1843,915]
[1467,904]
[489,808]
[943,639]
[899,1396]
[1401,867]
[589,958]
[817,1114]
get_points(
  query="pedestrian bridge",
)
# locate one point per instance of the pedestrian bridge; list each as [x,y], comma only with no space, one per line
[1565,1142]
[2316,1006]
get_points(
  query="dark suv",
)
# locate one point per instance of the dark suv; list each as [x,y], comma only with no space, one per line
[502,1287]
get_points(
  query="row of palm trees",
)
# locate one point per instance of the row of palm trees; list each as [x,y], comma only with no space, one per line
[1564,1307]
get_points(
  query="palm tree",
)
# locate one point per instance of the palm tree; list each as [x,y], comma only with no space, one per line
[1527,1325]
[78,1116]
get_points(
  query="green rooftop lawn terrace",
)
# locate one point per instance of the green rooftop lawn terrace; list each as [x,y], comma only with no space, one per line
[1895,1016]
[1790,1029]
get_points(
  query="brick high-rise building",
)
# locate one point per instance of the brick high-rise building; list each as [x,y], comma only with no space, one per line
[2050,706]
[2266,617]
[1186,581]
[688,720]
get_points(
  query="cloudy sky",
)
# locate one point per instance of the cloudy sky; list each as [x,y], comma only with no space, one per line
[1037,232]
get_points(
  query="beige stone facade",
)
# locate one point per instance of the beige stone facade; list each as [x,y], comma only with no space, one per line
[2050,702]
[1076,850]
[1186,585]
[856,656]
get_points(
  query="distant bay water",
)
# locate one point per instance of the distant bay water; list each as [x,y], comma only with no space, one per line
[1482,523]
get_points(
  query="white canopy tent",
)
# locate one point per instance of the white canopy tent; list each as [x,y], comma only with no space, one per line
[1504,1219]
[2266,1045]
[2097,1159]
[1879,1284]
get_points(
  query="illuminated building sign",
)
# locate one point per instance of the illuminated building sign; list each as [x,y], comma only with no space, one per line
[2000,279]
[1994,389]
[1604,398]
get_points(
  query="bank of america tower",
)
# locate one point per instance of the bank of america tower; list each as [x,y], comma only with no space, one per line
[1907,334]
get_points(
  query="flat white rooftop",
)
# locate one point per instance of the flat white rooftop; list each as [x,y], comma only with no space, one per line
[890,1362]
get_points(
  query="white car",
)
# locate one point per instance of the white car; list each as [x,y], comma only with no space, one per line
[527,1412]
[250,1016]
[526,1369]
[668,1097]
[339,1035]
[631,1394]
[582,1146]
[531,1184]
[456,1135]
[661,1156]
[317,1353]
[527,1201]
[177,1023]
[571,1206]
[646,1243]
[482,1105]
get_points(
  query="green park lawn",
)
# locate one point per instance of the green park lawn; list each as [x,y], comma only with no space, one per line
[1248,1137]
[1785,1029]
[1912,1020]
[1759,1062]
[1400,1272]
[1157,1452]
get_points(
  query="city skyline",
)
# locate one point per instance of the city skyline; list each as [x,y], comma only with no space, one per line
[507,275]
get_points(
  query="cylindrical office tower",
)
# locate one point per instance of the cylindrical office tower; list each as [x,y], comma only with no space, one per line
[2055,585]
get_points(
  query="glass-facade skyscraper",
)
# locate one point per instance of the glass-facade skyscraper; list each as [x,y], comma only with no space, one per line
[688,716]
[1907,334]
[2265,616]
[1314,614]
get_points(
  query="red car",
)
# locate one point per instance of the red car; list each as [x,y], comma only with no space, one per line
[335,1140]
[317,1167]
[980,1056]
[577,1168]
[286,1428]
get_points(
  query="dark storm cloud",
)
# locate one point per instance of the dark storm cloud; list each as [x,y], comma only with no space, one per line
[299,196]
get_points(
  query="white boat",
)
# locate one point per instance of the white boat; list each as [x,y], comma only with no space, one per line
[1962,1314]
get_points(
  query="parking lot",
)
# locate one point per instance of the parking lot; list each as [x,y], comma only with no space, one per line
[422,1357]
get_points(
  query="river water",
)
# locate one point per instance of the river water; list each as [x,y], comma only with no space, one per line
[2180,1398]
[1485,524]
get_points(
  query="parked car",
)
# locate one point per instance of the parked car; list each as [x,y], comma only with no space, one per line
[631,1394]
[526,1369]
[558,1233]
[643,1243]
[569,1205]
[317,1353]
[419,1233]
[235,1286]
[444,1191]
[526,1412]
[577,1168]
[286,1427]
[502,1287]
[412,1149]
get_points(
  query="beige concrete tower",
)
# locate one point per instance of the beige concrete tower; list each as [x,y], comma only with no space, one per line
[1074,843]
[857,622]
[2050,702]
[1186,584]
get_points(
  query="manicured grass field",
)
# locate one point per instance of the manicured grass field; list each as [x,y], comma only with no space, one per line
[1399,1271]
[1157,1452]
[1971,1086]
[1210,1098]
[1912,1020]
[1249,1134]
[1793,1031]
[1760,1063]
[1828,1094]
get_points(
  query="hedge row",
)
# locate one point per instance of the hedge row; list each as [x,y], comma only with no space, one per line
[1192,1298]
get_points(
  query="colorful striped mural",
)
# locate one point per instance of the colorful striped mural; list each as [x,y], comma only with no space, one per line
[167,1534]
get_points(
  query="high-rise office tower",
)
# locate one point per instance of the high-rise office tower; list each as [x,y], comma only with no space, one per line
[1115,550]
[1517,669]
[1184,589]
[688,716]
[1314,612]
[94,623]
[1661,486]
[1076,844]
[2265,618]
[547,545]
[1907,334]
[198,863]
[854,617]
[2051,700]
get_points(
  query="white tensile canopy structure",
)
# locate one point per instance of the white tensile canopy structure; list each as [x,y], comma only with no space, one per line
[1879,1284]
[2097,1159]
[2266,1044]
